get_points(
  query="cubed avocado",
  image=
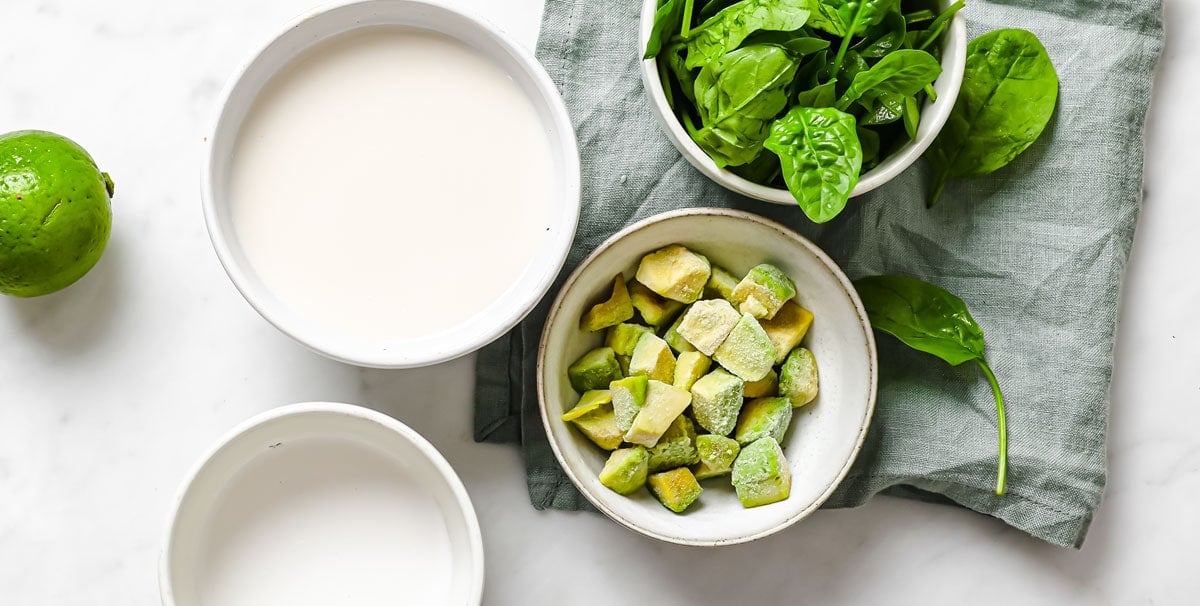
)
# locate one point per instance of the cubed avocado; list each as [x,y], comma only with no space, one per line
[675,273]
[628,398]
[716,400]
[716,453]
[590,402]
[618,308]
[623,337]
[787,329]
[664,402]
[763,418]
[655,310]
[623,362]
[763,291]
[761,474]
[798,380]
[626,470]
[707,324]
[601,428]
[676,447]
[720,284]
[676,340]
[689,367]
[765,387]
[652,357]
[594,370]
[747,352]
[676,489]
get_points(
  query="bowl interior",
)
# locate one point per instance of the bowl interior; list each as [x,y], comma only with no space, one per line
[317,504]
[933,117]
[506,310]
[824,436]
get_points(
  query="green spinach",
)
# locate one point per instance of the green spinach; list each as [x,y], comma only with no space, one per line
[726,30]
[819,151]
[667,21]
[738,97]
[903,72]
[928,318]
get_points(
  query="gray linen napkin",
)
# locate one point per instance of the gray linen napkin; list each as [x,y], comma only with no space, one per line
[1036,250]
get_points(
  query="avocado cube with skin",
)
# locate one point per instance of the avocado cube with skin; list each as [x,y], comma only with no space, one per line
[664,402]
[652,357]
[761,474]
[798,380]
[590,402]
[594,370]
[765,387]
[676,447]
[628,398]
[618,308]
[626,470]
[763,418]
[689,367]
[787,329]
[676,340]
[716,400]
[717,454]
[763,291]
[720,284]
[676,489]
[655,310]
[707,323]
[623,337]
[675,273]
[747,352]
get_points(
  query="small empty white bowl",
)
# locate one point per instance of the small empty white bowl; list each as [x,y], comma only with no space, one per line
[825,436]
[318,504]
[933,117]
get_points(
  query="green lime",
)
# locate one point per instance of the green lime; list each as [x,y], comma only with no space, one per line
[54,213]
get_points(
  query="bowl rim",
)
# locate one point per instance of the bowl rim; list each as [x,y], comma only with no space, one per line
[396,353]
[431,453]
[954,53]
[868,336]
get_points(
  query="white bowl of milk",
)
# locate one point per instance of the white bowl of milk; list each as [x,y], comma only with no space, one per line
[392,183]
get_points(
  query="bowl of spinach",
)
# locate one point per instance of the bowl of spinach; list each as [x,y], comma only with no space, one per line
[806,102]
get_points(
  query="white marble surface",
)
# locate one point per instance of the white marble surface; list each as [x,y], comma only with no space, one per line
[111,389]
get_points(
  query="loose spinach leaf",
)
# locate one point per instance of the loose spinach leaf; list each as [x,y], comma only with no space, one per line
[738,97]
[1008,94]
[928,318]
[725,31]
[821,158]
[667,21]
[903,72]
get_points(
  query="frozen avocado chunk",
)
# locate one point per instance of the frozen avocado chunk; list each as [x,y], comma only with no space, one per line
[689,367]
[761,474]
[594,370]
[787,328]
[615,310]
[720,284]
[675,273]
[664,402]
[763,291]
[626,470]
[623,337]
[628,398]
[676,340]
[676,447]
[590,402]
[707,323]
[717,454]
[652,357]
[593,416]
[655,310]
[676,489]
[716,399]
[747,352]
[798,377]
[763,418]
[764,387]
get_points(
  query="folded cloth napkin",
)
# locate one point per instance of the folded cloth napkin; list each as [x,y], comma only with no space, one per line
[1036,250]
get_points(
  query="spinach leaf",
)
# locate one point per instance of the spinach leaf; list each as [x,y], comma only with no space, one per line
[912,116]
[1008,94]
[868,139]
[935,29]
[882,108]
[927,318]
[856,16]
[667,21]
[711,7]
[796,42]
[903,72]
[764,169]
[725,31]
[821,95]
[888,36]
[920,16]
[821,158]
[738,97]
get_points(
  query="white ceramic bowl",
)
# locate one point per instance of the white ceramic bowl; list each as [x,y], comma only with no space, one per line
[933,117]
[825,436]
[322,503]
[503,313]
